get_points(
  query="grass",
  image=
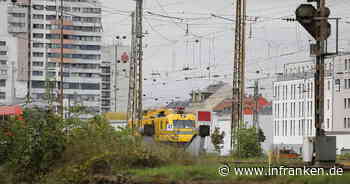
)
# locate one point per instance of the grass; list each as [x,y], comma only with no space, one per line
[209,173]
[179,173]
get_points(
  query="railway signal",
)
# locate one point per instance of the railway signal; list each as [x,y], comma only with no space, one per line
[313,21]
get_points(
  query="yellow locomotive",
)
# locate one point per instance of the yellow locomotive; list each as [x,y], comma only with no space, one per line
[167,126]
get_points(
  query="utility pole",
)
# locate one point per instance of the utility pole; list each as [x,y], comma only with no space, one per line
[29,83]
[62,63]
[238,75]
[139,54]
[116,75]
[132,67]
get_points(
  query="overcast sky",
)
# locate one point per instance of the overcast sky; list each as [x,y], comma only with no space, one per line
[271,42]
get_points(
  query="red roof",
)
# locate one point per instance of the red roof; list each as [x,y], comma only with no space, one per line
[10,110]
[249,105]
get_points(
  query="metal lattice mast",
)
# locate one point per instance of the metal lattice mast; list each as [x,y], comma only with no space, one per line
[238,74]
[139,55]
[132,70]
[62,62]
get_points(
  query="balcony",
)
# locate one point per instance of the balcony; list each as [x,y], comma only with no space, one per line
[4,67]
[17,29]
[3,76]
[3,47]
[17,19]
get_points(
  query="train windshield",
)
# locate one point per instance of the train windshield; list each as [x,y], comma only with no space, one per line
[184,124]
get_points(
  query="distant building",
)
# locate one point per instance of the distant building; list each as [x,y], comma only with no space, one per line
[217,98]
[115,78]
[222,119]
[82,35]
[13,21]
[294,103]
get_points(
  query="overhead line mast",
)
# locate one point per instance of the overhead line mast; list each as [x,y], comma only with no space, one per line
[238,75]
[135,111]
[139,55]
[62,63]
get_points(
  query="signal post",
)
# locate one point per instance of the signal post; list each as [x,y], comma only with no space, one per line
[315,21]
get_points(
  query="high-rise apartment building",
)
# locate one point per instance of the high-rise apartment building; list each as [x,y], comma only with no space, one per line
[82,36]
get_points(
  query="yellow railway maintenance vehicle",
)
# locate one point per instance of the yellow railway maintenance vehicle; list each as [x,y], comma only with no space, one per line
[167,126]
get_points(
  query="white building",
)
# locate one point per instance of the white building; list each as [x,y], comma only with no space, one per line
[13,29]
[223,122]
[293,104]
[115,78]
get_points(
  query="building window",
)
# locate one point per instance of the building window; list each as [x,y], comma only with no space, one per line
[38,7]
[2,43]
[3,53]
[2,95]
[38,45]
[329,85]
[38,84]
[3,72]
[348,122]
[345,123]
[38,26]
[328,104]
[38,16]
[327,122]
[345,83]
[38,73]
[337,82]
[3,62]
[286,128]
[345,102]
[38,63]
[346,64]
[38,35]
[2,83]
[38,54]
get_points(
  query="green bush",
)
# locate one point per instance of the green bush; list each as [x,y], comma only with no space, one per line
[34,145]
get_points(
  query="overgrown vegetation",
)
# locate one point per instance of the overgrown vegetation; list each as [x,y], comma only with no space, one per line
[250,142]
[47,149]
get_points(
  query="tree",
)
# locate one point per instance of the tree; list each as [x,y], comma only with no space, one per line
[261,136]
[217,139]
[250,142]
[36,144]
